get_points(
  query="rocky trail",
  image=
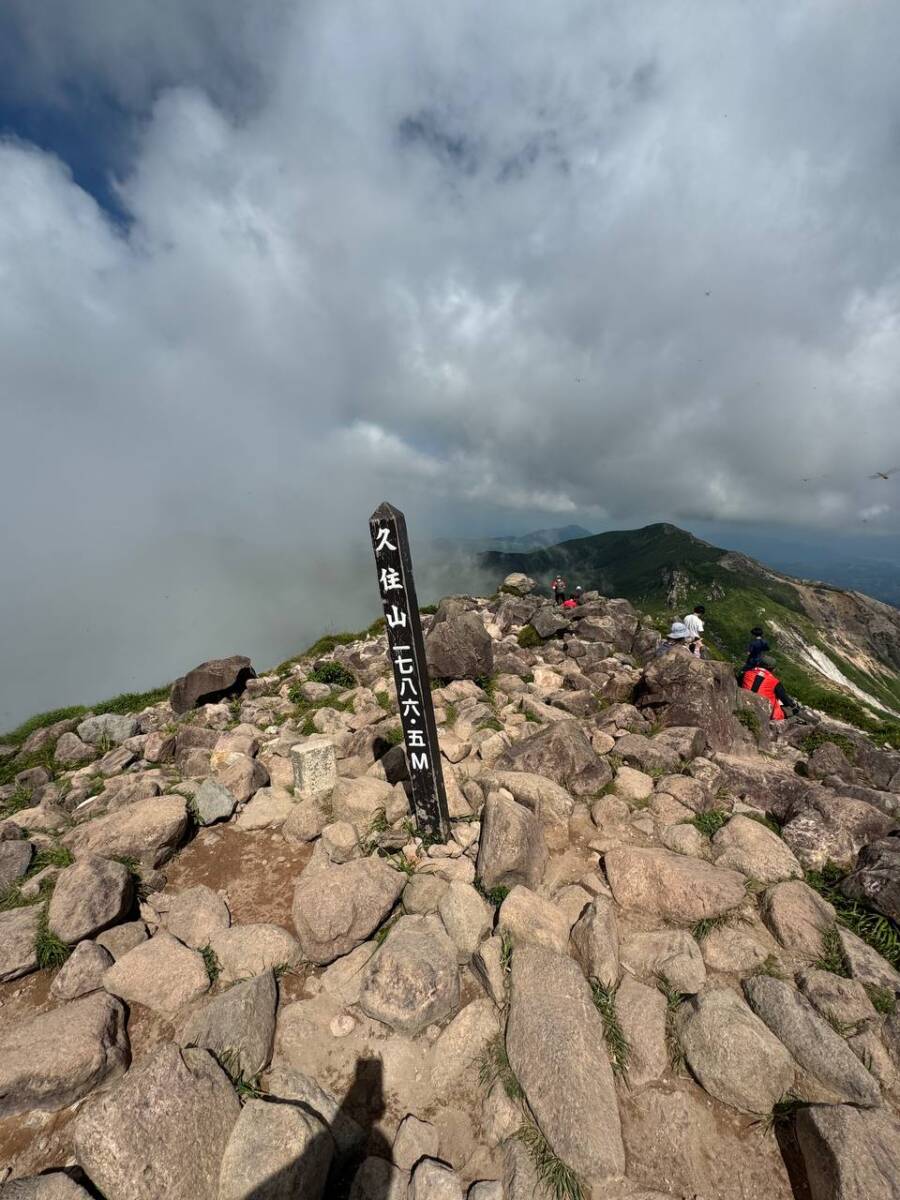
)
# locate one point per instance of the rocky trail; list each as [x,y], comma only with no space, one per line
[658,957]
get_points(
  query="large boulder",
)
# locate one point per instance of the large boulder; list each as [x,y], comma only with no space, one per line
[108,728]
[670,953]
[55,1185]
[162,1131]
[147,830]
[195,915]
[595,942]
[732,1053]
[798,917]
[275,1152]
[679,689]
[512,849]
[52,1060]
[286,1084]
[413,980]
[212,681]
[238,1026]
[529,918]
[562,753]
[457,645]
[518,584]
[15,859]
[835,1073]
[88,896]
[827,828]
[876,878]
[18,930]
[337,909]
[556,1048]
[671,886]
[848,1154]
[746,845]
[82,972]
[243,951]
[161,974]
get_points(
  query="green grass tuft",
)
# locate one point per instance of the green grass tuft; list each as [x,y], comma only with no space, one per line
[674,1000]
[821,737]
[333,673]
[557,1178]
[211,962]
[782,1113]
[53,856]
[20,798]
[529,638]
[50,950]
[452,714]
[491,723]
[704,927]
[393,736]
[494,895]
[709,823]
[494,1065]
[616,1041]
[770,966]
[874,928]
[883,999]
[750,720]
[832,957]
[384,700]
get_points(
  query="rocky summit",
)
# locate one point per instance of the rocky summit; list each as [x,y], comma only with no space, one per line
[657,959]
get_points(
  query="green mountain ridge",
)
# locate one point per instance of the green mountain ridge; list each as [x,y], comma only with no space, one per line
[837,650]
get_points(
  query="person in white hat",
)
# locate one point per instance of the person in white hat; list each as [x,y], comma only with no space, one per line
[678,636]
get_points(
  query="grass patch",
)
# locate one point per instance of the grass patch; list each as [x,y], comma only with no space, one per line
[871,926]
[491,723]
[494,895]
[557,1178]
[428,610]
[20,798]
[674,1000]
[820,737]
[211,962]
[832,957]
[452,714]
[771,967]
[709,823]
[383,699]
[529,638]
[750,720]
[54,856]
[532,719]
[333,673]
[704,927]
[51,951]
[616,1041]
[392,736]
[494,1065]
[401,863]
[883,999]
[782,1113]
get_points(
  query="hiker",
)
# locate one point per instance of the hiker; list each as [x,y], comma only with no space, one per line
[757,648]
[570,603]
[693,622]
[761,680]
[676,638]
[559,589]
[579,595]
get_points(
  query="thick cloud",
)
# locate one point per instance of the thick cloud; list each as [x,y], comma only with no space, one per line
[499,263]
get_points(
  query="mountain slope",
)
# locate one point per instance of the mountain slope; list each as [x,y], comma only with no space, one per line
[838,650]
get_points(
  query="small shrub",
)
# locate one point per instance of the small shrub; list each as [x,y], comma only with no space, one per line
[709,823]
[832,956]
[529,638]
[616,1042]
[211,962]
[558,1179]
[334,674]
[393,736]
[883,999]
[494,1065]
[494,895]
[428,610]
[384,700]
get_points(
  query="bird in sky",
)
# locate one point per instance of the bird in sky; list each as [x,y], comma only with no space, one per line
[885,474]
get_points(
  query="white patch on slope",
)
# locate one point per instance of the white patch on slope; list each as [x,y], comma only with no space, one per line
[820,662]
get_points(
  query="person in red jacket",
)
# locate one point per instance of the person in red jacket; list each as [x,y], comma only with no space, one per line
[762,681]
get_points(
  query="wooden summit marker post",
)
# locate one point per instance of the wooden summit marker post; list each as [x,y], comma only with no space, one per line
[406,648]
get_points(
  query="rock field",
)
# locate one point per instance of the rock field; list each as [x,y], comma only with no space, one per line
[656,959]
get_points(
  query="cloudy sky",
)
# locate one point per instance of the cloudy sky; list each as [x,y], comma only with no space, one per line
[508,265]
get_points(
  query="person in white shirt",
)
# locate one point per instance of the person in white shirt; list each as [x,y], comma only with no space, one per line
[694,624]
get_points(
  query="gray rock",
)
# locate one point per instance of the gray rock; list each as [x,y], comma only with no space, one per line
[486,1189]
[798,917]
[15,859]
[413,980]
[89,895]
[866,964]
[748,846]
[82,972]
[836,1073]
[238,1026]
[315,769]
[876,878]
[845,1001]
[359,800]
[52,1060]
[414,1140]
[671,953]
[551,804]
[432,1180]
[195,915]
[520,1177]
[556,1048]
[337,909]
[562,753]
[109,727]
[242,775]
[423,894]
[518,583]
[340,842]
[162,1132]
[161,974]
[848,1154]
[55,1185]
[732,1053]
[549,621]
[71,751]
[122,938]
[457,645]
[642,1015]
[275,1152]
[488,966]
[349,1137]
[305,822]
[269,809]
[670,885]
[531,920]
[467,918]
[461,1046]
[377,1179]
[147,830]
[211,682]
[595,942]
[213,802]
[18,930]
[246,950]
[512,849]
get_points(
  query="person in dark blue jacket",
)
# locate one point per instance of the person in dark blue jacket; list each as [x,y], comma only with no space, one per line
[757,648]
